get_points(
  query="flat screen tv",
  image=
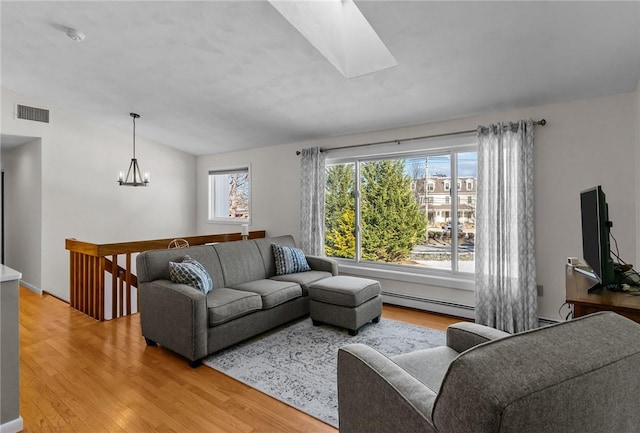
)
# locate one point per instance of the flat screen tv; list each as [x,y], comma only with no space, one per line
[596,249]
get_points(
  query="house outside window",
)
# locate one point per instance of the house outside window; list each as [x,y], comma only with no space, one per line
[230,195]
[376,215]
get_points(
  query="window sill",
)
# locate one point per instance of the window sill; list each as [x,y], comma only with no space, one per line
[434,278]
[230,221]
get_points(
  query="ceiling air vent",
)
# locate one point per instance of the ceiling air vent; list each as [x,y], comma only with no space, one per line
[32,113]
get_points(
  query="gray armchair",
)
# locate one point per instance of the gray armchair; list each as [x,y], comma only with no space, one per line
[580,376]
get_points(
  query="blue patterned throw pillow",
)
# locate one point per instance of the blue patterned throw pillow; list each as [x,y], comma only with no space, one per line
[192,273]
[289,260]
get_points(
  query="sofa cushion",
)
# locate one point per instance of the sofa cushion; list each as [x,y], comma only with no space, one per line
[273,292]
[191,273]
[225,304]
[241,262]
[303,279]
[289,260]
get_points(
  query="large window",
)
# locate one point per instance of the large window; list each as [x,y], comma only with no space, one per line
[402,211]
[230,195]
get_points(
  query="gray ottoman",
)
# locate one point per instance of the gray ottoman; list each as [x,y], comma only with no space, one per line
[348,302]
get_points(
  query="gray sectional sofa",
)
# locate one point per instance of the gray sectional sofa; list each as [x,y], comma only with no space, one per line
[247,299]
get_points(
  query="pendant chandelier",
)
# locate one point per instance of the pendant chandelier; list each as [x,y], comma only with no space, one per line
[134,178]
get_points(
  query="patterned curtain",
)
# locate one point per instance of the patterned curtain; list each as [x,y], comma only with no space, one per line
[506,294]
[312,202]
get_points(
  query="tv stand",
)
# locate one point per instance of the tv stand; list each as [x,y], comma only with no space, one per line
[597,286]
[585,301]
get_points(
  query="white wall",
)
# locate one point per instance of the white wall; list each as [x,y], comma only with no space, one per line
[585,143]
[23,196]
[275,179]
[80,196]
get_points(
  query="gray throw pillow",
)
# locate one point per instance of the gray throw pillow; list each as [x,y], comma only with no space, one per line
[192,273]
[289,260]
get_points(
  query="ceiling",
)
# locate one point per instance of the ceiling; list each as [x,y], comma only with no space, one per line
[215,76]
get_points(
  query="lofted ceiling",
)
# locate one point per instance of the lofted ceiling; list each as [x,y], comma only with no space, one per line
[217,76]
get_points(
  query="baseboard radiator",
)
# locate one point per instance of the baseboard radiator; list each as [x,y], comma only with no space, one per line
[441,307]
[432,305]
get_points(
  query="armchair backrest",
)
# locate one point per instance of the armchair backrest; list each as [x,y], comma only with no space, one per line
[577,376]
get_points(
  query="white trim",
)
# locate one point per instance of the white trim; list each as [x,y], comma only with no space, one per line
[433,278]
[31,287]
[13,426]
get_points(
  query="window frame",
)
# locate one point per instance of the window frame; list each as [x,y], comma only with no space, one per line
[451,278]
[211,218]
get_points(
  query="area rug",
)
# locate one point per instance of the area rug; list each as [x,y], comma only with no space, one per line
[297,363]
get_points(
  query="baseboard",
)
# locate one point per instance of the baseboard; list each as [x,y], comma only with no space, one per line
[31,287]
[13,426]
[432,305]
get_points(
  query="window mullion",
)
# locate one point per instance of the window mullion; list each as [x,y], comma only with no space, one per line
[358,209]
[454,212]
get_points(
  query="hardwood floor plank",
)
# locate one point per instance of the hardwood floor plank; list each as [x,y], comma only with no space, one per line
[81,375]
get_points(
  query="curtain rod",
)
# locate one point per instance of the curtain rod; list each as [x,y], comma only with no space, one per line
[424,137]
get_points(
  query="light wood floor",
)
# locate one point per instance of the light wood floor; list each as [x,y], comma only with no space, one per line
[80,375]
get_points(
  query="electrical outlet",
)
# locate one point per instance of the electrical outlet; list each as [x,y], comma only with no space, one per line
[540,291]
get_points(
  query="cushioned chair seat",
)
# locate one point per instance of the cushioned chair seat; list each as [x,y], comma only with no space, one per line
[273,292]
[304,279]
[428,366]
[225,304]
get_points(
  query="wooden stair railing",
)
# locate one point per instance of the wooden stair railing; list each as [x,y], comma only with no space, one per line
[90,263]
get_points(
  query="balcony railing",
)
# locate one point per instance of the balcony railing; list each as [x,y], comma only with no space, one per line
[91,266]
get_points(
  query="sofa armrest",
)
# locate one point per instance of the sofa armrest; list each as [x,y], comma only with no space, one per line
[174,316]
[326,264]
[377,395]
[464,335]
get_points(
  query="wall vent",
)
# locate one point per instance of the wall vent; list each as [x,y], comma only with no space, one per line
[32,113]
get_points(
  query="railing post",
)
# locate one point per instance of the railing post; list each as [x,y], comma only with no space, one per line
[128,278]
[114,286]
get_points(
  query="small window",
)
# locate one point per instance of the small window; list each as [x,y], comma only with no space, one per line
[431,186]
[469,185]
[230,195]
[459,186]
[447,185]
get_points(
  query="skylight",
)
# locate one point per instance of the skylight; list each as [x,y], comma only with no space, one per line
[340,32]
